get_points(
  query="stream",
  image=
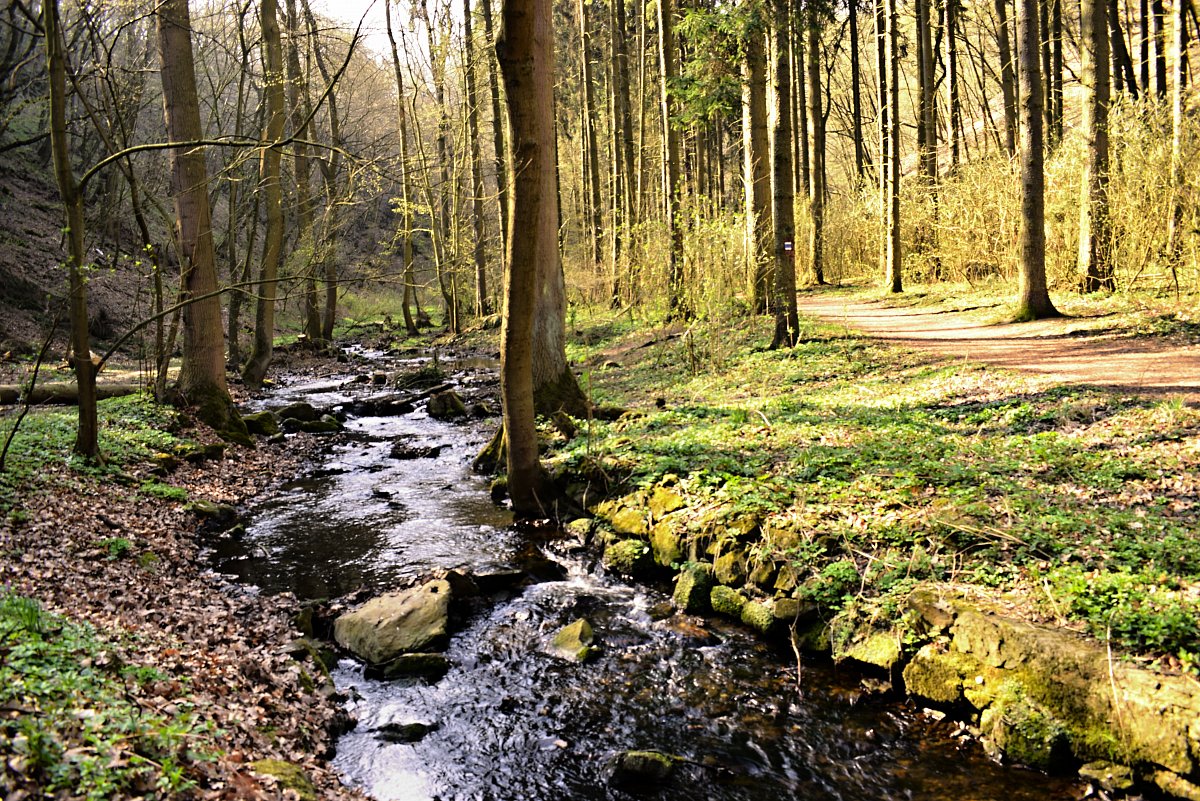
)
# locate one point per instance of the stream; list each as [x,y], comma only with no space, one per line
[509,722]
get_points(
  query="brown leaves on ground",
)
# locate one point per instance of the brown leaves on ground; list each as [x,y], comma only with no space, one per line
[223,647]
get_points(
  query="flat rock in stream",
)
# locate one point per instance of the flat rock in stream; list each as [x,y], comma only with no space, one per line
[411,732]
[410,621]
[403,450]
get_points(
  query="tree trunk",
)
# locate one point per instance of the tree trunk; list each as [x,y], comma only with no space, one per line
[677,306]
[756,158]
[1179,47]
[1144,37]
[1055,80]
[1161,85]
[787,321]
[856,131]
[525,50]
[595,232]
[801,164]
[264,321]
[1008,87]
[410,326]
[87,442]
[891,170]
[1094,236]
[1122,61]
[304,208]
[1033,302]
[816,197]
[950,34]
[498,138]
[202,374]
[482,305]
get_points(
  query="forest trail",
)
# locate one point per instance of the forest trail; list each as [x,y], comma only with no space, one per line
[1051,348]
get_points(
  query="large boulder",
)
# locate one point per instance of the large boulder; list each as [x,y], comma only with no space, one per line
[692,588]
[411,621]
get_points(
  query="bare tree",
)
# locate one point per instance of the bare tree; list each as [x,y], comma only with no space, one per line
[1094,234]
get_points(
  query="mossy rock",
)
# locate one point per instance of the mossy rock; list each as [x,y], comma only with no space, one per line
[629,521]
[878,648]
[730,567]
[727,601]
[302,411]
[629,558]
[1026,734]
[758,616]
[692,588]
[424,665]
[937,674]
[262,424]
[221,515]
[580,529]
[409,732]
[663,501]
[573,642]
[289,775]
[635,769]
[326,424]
[446,406]
[665,543]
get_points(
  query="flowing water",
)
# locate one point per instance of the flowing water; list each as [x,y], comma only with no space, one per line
[510,722]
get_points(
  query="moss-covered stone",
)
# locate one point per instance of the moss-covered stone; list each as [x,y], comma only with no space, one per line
[629,558]
[573,642]
[665,542]
[630,521]
[289,775]
[692,588]
[304,412]
[639,768]
[1025,734]
[758,616]
[446,406]
[786,609]
[1110,776]
[220,515]
[730,567]
[727,601]
[936,675]
[262,424]
[580,529]
[786,579]
[663,501]
[878,648]
[425,665]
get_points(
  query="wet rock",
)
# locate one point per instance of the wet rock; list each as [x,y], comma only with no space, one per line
[410,732]
[691,629]
[1176,786]
[1110,776]
[573,642]
[758,616]
[727,601]
[220,516]
[580,529]
[730,567]
[629,558]
[786,609]
[405,451]
[692,588]
[302,411]
[425,665]
[197,454]
[446,406]
[499,579]
[262,424]
[325,424]
[634,770]
[410,621]
[498,490]
[630,521]
[665,543]
[383,406]
[1025,734]
[462,585]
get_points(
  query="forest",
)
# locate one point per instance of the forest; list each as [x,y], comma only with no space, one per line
[595,399]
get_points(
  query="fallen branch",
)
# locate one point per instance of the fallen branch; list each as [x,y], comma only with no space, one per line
[62,394]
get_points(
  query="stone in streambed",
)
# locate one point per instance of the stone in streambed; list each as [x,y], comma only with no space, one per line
[263,424]
[427,666]
[758,616]
[642,769]
[629,558]
[411,621]
[692,588]
[446,406]
[410,732]
[325,424]
[304,412]
[727,601]
[573,642]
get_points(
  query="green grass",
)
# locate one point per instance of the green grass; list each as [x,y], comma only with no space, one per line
[74,725]
[132,429]
[846,451]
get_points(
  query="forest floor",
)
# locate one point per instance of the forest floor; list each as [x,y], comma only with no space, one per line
[1091,349]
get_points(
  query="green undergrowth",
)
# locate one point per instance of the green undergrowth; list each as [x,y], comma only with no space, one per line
[132,429]
[859,469]
[78,721]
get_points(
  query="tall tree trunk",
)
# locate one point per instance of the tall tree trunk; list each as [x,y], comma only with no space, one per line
[595,232]
[756,158]
[482,306]
[1055,80]
[1144,37]
[202,373]
[525,50]
[498,137]
[856,131]
[676,302]
[1046,55]
[406,217]
[1094,258]
[787,320]
[927,122]
[816,198]
[304,208]
[950,37]
[442,192]
[624,123]
[1179,64]
[801,164]
[264,321]
[1122,62]
[1008,83]
[87,442]
[891,170]
[1033,302]
[1161,85]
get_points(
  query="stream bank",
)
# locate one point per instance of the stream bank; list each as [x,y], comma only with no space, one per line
[508,717]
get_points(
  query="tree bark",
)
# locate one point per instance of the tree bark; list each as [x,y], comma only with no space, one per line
[595,232]
[1122,61]
[498,137]
[482,304]
[856,131]
[300,162]
[1008,86]
[264,321]
[1033,302]
[1094,258]
[87,442]
[787,321]
[950,34]
[891,170]
[410,326]
[1179,64]
[756,158]
[816,197]
[525,49]
[676,301]
[1161,85]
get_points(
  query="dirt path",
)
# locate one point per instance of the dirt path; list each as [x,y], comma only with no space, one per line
[1144,365]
